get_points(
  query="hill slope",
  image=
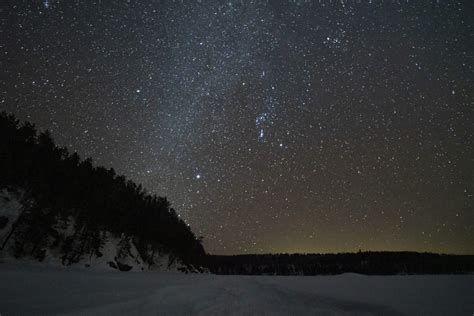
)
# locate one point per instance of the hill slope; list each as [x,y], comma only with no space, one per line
[52,204]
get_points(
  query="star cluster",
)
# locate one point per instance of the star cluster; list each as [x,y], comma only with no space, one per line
[286,126]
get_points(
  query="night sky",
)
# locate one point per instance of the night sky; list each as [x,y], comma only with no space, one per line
[271,126]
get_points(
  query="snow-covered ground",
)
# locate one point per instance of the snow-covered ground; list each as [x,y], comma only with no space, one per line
[31,290]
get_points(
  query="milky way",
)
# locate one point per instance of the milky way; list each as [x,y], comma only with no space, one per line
[286,126]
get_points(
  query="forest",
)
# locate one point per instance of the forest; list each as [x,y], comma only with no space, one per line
[369,263]
[58,187]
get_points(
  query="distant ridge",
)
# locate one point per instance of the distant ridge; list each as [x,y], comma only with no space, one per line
[370,263]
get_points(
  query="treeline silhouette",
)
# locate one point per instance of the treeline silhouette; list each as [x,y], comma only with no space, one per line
[57,189]
[371,263]
[57,186]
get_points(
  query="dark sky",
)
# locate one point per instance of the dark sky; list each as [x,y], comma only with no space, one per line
[271,126]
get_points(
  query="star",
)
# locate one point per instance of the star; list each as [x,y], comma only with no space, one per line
[349,119]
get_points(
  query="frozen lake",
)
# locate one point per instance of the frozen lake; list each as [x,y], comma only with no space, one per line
[48,290]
